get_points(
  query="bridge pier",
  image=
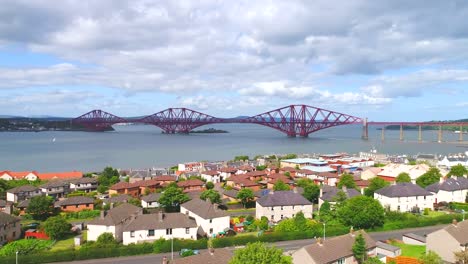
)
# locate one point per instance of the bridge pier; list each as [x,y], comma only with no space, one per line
[365,129]
[383,134]
[401,132]
[439,135]
[460,136]
[420,133]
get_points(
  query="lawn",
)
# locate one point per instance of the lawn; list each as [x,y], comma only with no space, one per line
[410,250]
[435,213]
[68,242]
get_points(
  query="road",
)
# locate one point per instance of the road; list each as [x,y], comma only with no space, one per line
[287,246]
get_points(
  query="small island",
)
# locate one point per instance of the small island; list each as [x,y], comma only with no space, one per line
[209,131]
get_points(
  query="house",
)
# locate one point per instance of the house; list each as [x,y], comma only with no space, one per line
[448,240]
[254,175]
[151,200]
[301,162]
[282,204]
[132,189]
[334,250]
[22,206]
[451,161]
[304,173]
[240,182]
[10,228]
[370,173]
[13,175]
[213,256]
[117,199]
[243,169]
[60,175]
[450,190]
[144,175]
[148,186]
[76,204]
[113,222]
[290,170]
[271,181]
[6,206]
[227,172]
[21,193]
[405,197]
[430,159]
[211,176]
[192,185]
[85,184]
[231,195]
[331,193]
[151,227]
[55,189]
[208,216]
[414,239]
[391,171]
[165,179]
[190,167]
[387,250]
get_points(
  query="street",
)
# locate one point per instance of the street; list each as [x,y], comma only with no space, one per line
[287,246]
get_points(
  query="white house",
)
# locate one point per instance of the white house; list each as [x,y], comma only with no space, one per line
[208,216]
[21,193]
[330,194]
[151,200]
[150,227]
[391,171]
[451,161]
[14,175]
[85,184]
[10,228]
[56,189]
[113,222]
[450,190]
[282,204]
[227,172]
[448,240]
[211,176]
[404,197]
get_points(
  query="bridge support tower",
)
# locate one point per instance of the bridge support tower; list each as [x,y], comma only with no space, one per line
[439,135]
[401,132]
[365,129]
[420,133]
[460,136]
[382,136]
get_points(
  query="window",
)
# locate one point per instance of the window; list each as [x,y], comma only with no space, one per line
[293,207]
[187,230]
[341,261]
[281,208]
[424,197]
[132,233]
[281,216]
[272,217]
[168,231]
[293,215]
[211,221]
[151,232]
[76,206]
[272,208]
[211,230]
[398,208]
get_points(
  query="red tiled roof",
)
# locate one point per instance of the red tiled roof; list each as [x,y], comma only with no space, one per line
[276,175]
[193,182]
[284,179]
[305,171]
[245,182]
[246,168]
[60,175]
[290,169]
[255,173]
[18,174]
[210,172]
[148,183]
[328,174]
[165,178]
[228,169]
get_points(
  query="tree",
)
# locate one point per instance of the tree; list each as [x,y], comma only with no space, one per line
[288,156]
[245,195]
[241,158]
[403,177]
[280,186]
[108,177]
[347,180]
[172,197]
[430,258]
[211,195]
[458,170]
[257,252]
[40,207]
[375,184]
[359,248]
[311,192]
[106,239]
[57,227]
[361,212]
[431,176]
[373,260]
[287,174]
[461,256]
[209,185]
[260,167]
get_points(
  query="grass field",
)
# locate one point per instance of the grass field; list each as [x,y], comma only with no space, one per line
[410,250]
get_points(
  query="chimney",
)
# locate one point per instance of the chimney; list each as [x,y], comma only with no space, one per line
[321,191]
[351,231]
[454,222]
[103,213]
[160,216]
[319,241]
[164,260]
[441,179]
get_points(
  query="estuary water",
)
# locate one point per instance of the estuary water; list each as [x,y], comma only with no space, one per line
[143,146]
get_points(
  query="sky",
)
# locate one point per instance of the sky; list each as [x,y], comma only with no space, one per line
[385,60]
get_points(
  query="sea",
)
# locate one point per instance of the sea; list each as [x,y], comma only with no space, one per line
[145,146]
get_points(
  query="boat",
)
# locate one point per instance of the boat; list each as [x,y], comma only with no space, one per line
[459,132]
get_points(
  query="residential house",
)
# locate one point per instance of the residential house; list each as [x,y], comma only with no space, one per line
[85,184]
[243,169]
[240,182]
[113,222]
[208,216]
[60,175]
[132,189]
[450,190]
[303,173]
[334,250]
[190,166]
[117,199]
[144,175]
[391,171]
[211,176]
[387,250]
[405,197]
[165,179]
[148,186]
[10,228]
[151,227]
[272,179]
[254,175]
[21,193]
[227,172]
[18,175]
[278,205]
[55,189]
[151,200]
[451,161]
[213,256]
[22,206]
[430,159]
[290,170]
[370,173]
[331,193]
[76,204]
[6,206]
[193,185]
[448,240]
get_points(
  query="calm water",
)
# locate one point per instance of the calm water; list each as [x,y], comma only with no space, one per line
[145,146]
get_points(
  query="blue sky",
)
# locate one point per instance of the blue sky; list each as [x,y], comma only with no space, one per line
[397,60]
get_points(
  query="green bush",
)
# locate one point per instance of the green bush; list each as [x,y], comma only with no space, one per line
[25,246]
[85,214]
[426,211]
[459,206]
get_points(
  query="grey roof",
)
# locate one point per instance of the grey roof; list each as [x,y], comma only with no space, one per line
[386,246]
[4,203]
[459,232]
[330,194]
[450,185]
[24,188]
[426,156]
[219,256]
[415,237]
[121,198]
[153,221]
[23,204]
[84,180]
[403,189]
[204,209]
[75,201]
[283,198]
[153,197]
[7,219]
[231,193]
[117,215]
[54,184]
[335,248]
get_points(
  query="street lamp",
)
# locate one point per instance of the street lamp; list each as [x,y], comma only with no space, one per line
[324,224]
[17,257]
[172,248]
[463,212]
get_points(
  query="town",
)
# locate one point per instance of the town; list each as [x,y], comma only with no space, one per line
[339,206]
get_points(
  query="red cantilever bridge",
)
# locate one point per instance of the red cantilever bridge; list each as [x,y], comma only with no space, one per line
[293,120]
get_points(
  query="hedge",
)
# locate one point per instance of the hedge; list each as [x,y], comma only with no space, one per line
[410,221]
[458,206]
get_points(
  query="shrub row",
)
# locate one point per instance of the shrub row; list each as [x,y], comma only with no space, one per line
[459,206]
[409,221]
[85,214]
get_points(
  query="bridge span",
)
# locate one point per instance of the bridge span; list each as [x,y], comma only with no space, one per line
[293,120]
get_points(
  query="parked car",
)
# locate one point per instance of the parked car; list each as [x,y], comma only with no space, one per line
[185,252]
